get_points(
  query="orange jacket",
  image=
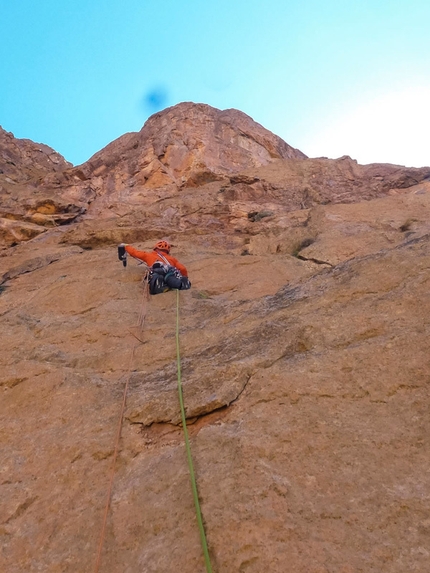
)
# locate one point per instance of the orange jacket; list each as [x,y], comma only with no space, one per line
[151,257]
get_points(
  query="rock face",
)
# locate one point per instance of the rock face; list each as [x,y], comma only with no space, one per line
[23,160]
[191,144]
[28,203]
[191,169]
[304,354]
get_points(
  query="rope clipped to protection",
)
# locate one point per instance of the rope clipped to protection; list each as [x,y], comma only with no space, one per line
[188,449]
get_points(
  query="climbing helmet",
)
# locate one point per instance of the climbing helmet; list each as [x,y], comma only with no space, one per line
[162,246]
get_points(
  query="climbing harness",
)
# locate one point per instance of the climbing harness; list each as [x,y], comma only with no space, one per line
[199,517]
[163,276]
[163,258]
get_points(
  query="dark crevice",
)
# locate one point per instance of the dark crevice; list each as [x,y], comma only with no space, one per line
[21,509]
[192,419]
[316,261]
[196,418]
[242,391]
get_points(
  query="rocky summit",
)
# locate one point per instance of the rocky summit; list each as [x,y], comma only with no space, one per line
[303,345]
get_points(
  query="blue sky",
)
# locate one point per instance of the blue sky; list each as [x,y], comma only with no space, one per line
[332,78]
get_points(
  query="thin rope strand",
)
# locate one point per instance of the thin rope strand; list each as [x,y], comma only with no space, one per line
[141,320]
[188,449]
[117,441]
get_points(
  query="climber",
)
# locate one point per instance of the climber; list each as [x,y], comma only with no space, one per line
[165,272]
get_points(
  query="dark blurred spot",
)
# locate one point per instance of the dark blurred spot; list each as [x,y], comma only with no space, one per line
[155,100]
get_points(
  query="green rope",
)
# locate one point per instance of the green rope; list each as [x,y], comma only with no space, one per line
[187,446]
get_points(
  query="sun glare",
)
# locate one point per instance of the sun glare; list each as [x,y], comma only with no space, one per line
[390,128]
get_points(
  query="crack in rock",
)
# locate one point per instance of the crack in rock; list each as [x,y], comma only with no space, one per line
[316,261]
[22,508]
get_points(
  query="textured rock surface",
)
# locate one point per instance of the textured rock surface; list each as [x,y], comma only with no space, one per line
[190,144]
[192,168]
[28,203]
[23,160]
[306,373]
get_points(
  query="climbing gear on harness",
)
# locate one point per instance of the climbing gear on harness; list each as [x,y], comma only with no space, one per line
[122,254]
[160,267]
[164,277]
[157,274]
[188,448]
[163,246]
[163,258]
[157,284]
[186,283]
[172,276]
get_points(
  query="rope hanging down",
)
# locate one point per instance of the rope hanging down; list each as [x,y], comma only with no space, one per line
[188,449]
[141,320]
[112,473]
[187,442]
